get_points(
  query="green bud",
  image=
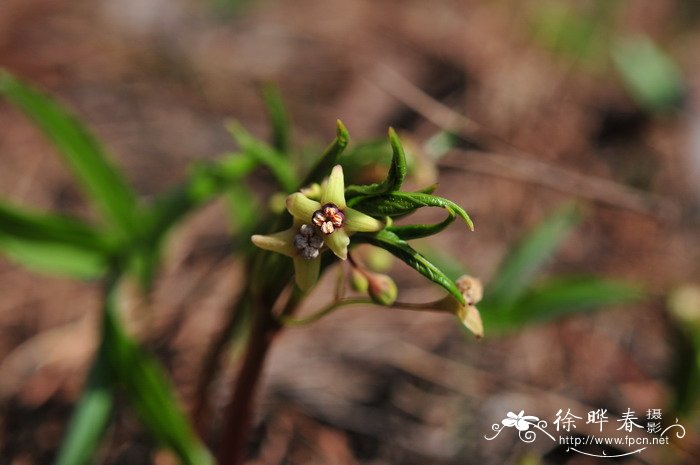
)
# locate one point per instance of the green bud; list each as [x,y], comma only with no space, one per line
[381,289]
[358,281]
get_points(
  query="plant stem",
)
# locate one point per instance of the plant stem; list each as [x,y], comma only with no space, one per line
[238,418]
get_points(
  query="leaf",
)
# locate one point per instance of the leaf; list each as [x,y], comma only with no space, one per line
[559,297]
[278,118]
[149,391]
[90,417]
[403,203]
[417,231]
[330,156]
[650,75]
[53,243]
[267,156]
[89,162]
[395,177]
[390,242]
[520,267]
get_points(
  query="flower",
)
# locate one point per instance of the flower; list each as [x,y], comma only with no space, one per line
[302,243]
[468,314]
[331,215]
[520,421]
[328,222]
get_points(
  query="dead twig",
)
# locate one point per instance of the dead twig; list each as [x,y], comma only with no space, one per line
[507,161]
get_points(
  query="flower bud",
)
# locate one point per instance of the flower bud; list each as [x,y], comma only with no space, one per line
[381,289]
[358,281]
[684,305]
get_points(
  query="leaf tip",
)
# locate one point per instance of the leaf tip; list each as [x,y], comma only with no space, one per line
[342,133]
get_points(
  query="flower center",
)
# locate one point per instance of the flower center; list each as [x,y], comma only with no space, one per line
[328,218]
[308,242]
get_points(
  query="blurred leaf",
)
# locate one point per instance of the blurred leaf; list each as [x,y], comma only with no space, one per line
[395,177]
[520,267]
[81,151]
[403,251]
[559,297]
[149,391]
[281,137]
[330,156]
[90,417]
[417,231]
[244,210]
[403,203]
[563,29]
[650,75]
[53,243]
[276,162]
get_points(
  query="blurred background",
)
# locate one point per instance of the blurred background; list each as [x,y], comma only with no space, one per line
[518,108]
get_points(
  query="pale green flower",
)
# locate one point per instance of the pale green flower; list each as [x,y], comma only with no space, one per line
[328,222]
[302,243]
[331,215]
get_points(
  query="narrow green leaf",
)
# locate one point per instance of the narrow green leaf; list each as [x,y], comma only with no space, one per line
[276,162]
[395,177]
[330,156]
[417,231]
[82,152]
[390,242]
[281,138]
[404,203]
[53,243]
[91,415]
[150,392]
[524,261]
[559,297]
[650,75]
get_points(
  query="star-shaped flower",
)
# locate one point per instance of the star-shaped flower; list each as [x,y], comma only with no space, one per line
[328,222]
[333,218]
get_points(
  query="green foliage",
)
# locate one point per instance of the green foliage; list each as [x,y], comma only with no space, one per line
[395,177]
[53,243]
[520,267]
[81,152]
[404,252]
[650,75]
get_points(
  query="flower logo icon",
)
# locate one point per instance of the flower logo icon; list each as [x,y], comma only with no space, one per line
[520,421]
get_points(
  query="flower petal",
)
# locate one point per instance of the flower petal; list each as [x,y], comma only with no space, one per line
[301,207]
[522,425]
[471,319]
[358,221]
[281,242]
[334,189]
[509,422]
[338,242]
[306,272]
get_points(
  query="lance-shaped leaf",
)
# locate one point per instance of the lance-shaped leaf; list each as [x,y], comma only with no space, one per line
[276,162]
[526,259]
[278,118]
[330,156]
[403,203]
[560,297]
[82,152]
[149,391]
[417,231]
[390,242]
[53,243]
[395,177]
[91,415]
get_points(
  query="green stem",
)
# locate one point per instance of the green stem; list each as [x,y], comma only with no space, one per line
[289,321]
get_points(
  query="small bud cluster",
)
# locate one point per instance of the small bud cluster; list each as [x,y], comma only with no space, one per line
[328,218]
[308,242]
